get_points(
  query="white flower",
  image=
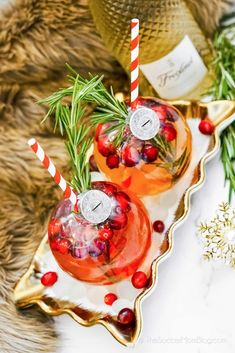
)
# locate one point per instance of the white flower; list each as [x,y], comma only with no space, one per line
[218,235]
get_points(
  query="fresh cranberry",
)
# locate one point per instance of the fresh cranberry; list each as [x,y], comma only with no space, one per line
[130,156]
[110,298]
[161,111]
[64,246]
[54,243]
[108,188]
[149,153]
[105,146]
[104,225]
[49,278]
[123,201]
[118,221]
[158,226]
[206,127]
[54,227]
[105,233]
[172,115]
[96,248]
[78,250]
[100,130]
[147,102]
[142,101]
[112,161]
[169,132]
[126,316]
[101,244]
[92,163]
[135,142]
[118,209]
[139,279]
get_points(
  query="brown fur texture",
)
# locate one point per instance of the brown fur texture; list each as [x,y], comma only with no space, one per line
[208,12]
[36,38]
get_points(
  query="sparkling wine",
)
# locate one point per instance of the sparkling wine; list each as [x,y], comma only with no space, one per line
[101,253]
[146,167]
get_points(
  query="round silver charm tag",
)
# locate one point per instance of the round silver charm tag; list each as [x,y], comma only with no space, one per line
[95,206]
[144,123]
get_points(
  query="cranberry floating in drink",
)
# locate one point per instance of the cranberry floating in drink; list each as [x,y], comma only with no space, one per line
[148,151]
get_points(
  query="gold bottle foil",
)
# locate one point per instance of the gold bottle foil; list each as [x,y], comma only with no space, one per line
[163,24]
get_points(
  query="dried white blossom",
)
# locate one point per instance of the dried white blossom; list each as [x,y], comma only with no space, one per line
[218,235]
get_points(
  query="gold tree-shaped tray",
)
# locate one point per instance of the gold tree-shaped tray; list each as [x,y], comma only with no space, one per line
[82,301]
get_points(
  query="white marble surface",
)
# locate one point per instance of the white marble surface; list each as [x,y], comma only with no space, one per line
[192,309]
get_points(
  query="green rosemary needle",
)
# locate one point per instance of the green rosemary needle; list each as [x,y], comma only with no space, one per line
[68,119]
[224,88]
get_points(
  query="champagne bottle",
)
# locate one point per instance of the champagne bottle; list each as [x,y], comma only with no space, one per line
[174,52]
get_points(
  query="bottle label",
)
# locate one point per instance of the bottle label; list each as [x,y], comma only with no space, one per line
[178,72]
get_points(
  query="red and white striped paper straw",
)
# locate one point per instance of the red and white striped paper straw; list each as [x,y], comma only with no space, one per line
[134,62]
[47,163]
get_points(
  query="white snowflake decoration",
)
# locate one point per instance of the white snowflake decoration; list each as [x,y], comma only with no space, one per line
[218,235]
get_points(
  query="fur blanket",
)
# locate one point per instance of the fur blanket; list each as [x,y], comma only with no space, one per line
[36,38]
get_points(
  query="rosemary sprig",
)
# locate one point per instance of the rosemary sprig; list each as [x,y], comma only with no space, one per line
[224,65]
[166,151]
[108,109]
[91,90]
[224,88]
[173,164]
[68,119]
[84,92]
[228,156]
